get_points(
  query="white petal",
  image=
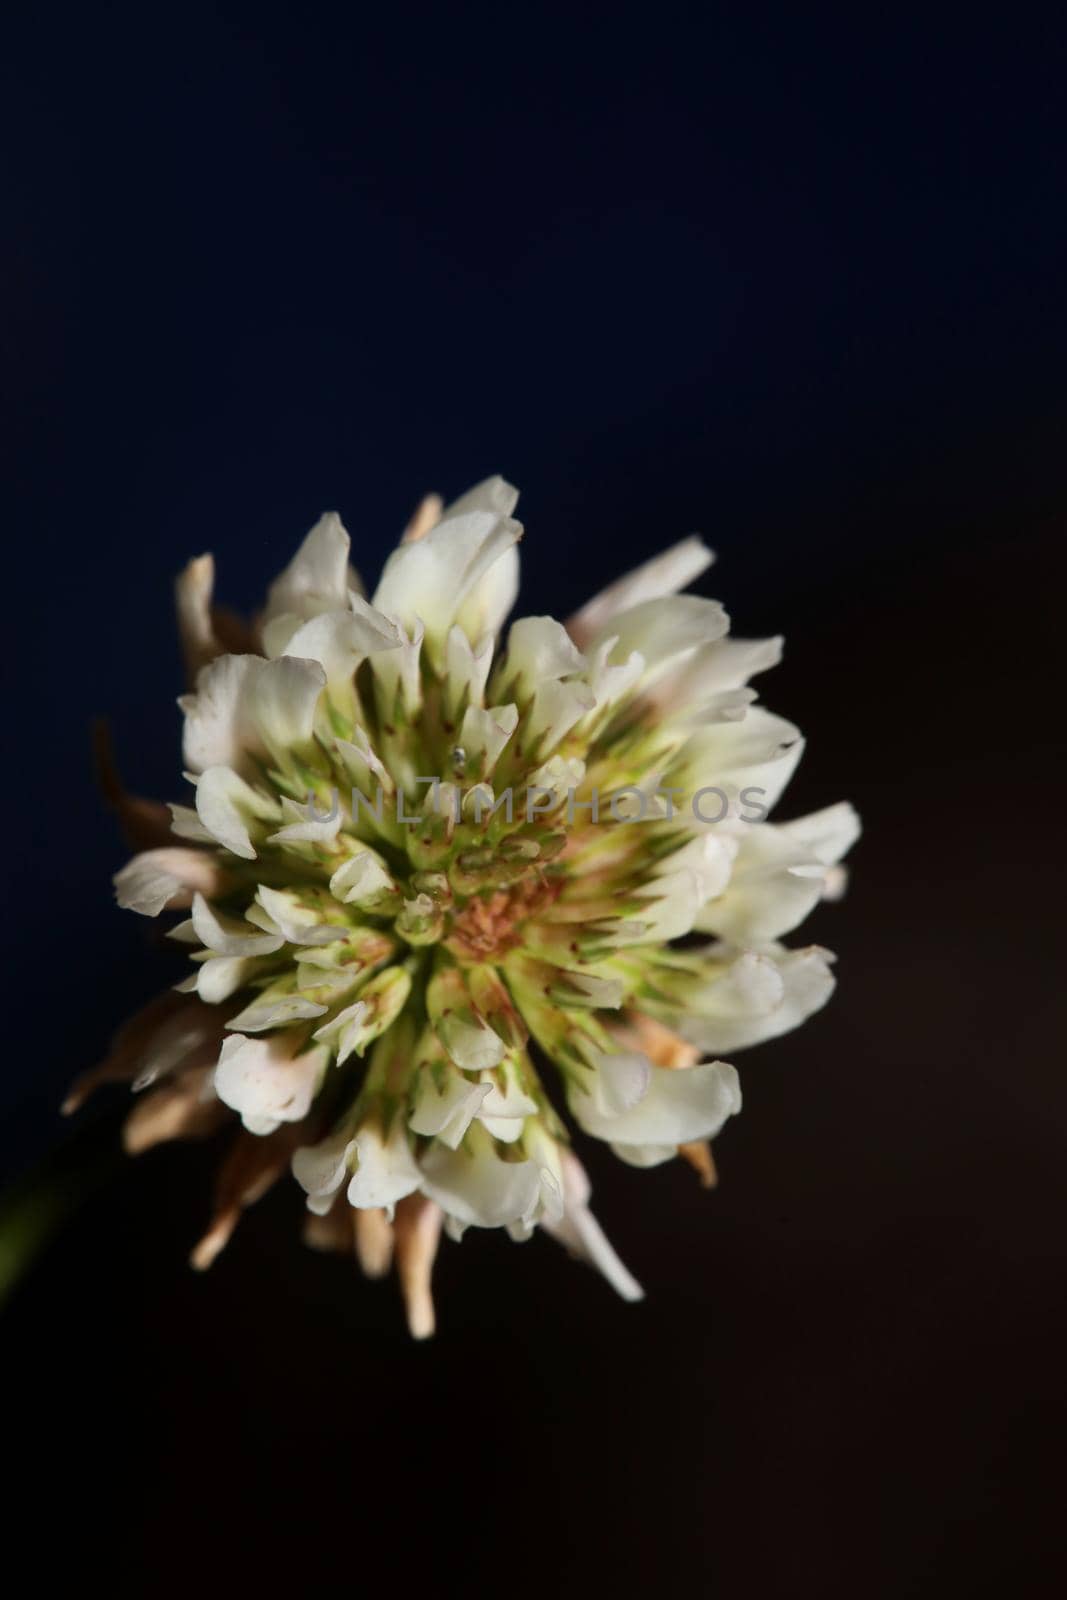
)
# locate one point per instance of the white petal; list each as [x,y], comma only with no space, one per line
[227,806]
[557,776]
[507,1129]
[750,986]
[450,572]
[185,824]
[305,827]
[663,630]
[472,1045]
[219,730]
[709,857]
[539,648]
[611,683]
[644,1155]
[221,976]
[344,1031]
[318,578]
[361,879]
[260,1126]
[265,1081]
[230,936]
[276,633]
[680,1104]
[397,672]
[546,1206]
[557,706]
[340,641]
[466,670]
[320,1169]
[804,984]
[492,494]
[665,574]
[777,879]
[682,885]
[714,670]
[169,876]
[484,734]
[385,1171]
[282,700]
[296,922]
[759,754]
[505,1108]
[446,1110]
[475,1186]
[580,1232]
[491,598]
[270,1010]
[362,762]
[692,880]
[828,834]
[621,1082]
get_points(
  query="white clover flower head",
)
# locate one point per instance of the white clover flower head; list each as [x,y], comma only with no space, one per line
[417,853]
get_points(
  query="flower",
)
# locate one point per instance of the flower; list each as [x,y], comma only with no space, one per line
[416,854]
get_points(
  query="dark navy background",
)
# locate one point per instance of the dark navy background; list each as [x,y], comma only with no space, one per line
[791,278]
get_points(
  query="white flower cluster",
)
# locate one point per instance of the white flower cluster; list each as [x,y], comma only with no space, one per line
[367,993]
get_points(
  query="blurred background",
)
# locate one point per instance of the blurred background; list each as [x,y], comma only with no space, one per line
[791,279]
